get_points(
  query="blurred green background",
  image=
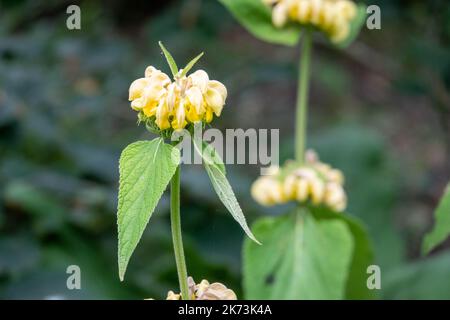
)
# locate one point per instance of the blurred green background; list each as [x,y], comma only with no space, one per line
[380,111]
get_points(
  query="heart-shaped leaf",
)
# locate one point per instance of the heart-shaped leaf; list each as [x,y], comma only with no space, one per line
[302,258]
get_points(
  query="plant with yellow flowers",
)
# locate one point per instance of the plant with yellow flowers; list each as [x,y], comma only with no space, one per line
[314,182]
[314,251]
[170,108]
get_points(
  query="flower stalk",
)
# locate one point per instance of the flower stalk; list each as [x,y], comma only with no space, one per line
[175,221]
[302,97]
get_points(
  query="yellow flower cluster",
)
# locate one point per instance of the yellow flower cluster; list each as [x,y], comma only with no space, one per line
[188,99]
[333,17]
[205,291]
[314,181]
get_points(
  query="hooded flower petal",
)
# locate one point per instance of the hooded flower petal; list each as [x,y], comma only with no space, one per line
[149,70]
[214,100]
[200,79]
[195,98]
[137,88]
[218,86]
[138,104]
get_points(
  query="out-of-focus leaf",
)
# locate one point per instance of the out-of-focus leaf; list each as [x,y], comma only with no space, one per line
[47,211]
[441,229]
[362,256]
[146,168]
[425,279]
[301,258]
[257,19]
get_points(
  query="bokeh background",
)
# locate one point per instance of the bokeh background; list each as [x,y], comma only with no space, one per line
[380,110]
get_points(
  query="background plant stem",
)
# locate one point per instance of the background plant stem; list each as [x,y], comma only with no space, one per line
[302,97]
[175,220]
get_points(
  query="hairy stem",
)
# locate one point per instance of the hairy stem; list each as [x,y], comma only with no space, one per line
[302,97]
[175,220]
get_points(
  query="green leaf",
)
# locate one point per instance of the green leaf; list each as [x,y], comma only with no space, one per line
[170,60]
[355,27]
[190,65]
[209,155]
[441,229]
[226,195]
[302,258]
[256,17]
[362,255]
[146,168]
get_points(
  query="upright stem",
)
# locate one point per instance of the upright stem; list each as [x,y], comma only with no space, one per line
[302,97]
[175,220]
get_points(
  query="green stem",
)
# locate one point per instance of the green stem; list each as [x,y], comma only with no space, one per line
[302,97]
[175,220]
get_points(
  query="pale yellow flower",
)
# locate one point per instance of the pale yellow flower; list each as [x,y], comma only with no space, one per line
[301,192]
[175,104]
[333,17]
[268,191]
[314,182]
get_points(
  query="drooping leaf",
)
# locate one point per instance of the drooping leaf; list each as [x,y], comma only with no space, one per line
[362,255]
[209,155]
[190,65]
[302,258]
[441,229]
[170,60]
[355,27]
[256,17]
[146,168]
[226,195]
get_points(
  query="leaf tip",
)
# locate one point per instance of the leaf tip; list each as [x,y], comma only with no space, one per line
[426,247]
[253,238]
[121,274]
[122,270]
